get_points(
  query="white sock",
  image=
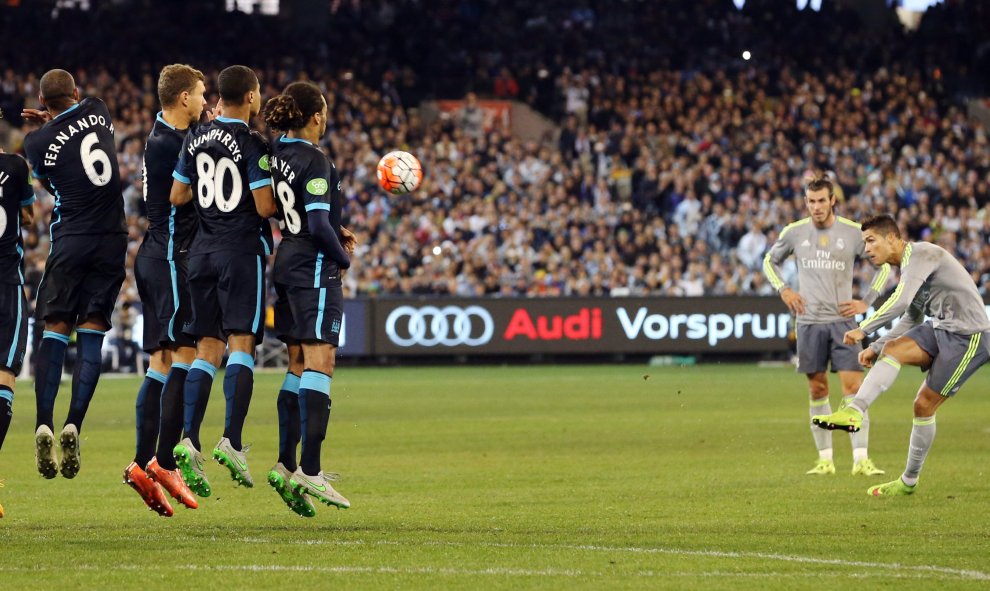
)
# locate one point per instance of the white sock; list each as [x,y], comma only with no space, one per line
[823,438]
[922,437]
[880,378]
[860,439]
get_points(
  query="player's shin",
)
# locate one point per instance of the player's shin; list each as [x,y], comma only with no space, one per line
[238,385]
[148,414]
[288,421]
[860,440]
[48,374]
[170,427]
[879,378]
[922,437]
[86,375]
[822,437]
[6,411]
[314,410]
[196,395]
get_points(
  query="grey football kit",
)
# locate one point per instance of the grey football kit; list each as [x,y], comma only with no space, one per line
[825,259]
[933,283]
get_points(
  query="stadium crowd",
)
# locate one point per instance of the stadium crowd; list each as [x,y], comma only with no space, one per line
[675,167]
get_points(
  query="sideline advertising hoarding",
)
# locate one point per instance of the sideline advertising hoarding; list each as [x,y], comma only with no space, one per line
[579,325]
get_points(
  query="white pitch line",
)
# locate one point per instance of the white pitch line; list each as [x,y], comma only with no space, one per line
[919,570]
[963,573]
[447,571]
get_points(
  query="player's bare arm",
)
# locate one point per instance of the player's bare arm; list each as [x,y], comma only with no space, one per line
[36,116]
[793,300]
[348,240]
[867,357]
[27,215]
[854,336]
[850,308]
[181,193]
[264,200]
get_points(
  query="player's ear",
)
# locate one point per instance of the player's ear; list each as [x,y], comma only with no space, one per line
[75,94]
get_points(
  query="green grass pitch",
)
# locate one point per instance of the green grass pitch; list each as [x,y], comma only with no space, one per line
[572,477]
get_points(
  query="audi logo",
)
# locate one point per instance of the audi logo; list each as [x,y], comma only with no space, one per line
[430,326]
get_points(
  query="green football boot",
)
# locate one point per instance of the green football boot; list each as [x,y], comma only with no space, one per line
[847,418]
[190,464]
[895,488]
[822,468]
[235,461]
[278,478]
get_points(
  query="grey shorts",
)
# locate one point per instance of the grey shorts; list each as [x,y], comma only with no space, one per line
[817,344]
[955,357]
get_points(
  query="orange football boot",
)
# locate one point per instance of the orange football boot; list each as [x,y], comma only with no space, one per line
[172,482]
[150,493]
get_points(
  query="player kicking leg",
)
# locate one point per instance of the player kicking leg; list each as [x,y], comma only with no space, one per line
[951,348]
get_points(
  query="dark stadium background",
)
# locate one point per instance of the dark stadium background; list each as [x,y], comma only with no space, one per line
[623,149]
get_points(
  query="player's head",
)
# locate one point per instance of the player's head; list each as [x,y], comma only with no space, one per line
[58,90]
[239,86]
[300,105]
[819,197]
[882,239]
[181,87]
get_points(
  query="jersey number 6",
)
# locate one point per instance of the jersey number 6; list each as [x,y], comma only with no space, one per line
[91,154]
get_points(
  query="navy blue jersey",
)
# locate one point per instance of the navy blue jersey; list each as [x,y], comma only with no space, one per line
[170,229]
[15,193]
[224,161]
[304,180]
[77,154]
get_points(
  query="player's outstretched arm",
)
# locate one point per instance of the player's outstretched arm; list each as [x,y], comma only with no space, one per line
[36,116]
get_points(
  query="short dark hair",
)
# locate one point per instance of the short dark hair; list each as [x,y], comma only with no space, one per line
[57,88]
[234,82]
[818,182]
[176,79]
[883,225]
[293,108]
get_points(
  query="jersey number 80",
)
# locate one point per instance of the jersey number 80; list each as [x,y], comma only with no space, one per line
[210,187]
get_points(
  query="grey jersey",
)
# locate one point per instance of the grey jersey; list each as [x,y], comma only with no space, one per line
[935,284]
[825,260]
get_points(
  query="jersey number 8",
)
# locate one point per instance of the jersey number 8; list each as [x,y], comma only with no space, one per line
[211,181]
[288,198]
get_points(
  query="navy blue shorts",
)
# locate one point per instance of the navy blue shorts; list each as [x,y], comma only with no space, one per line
[309,313]
[227,291]
[82,278]
[13,326]
[164,292]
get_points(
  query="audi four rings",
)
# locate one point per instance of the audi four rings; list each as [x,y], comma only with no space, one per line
[430,326]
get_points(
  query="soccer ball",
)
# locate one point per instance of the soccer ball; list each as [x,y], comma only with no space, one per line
[399,172]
